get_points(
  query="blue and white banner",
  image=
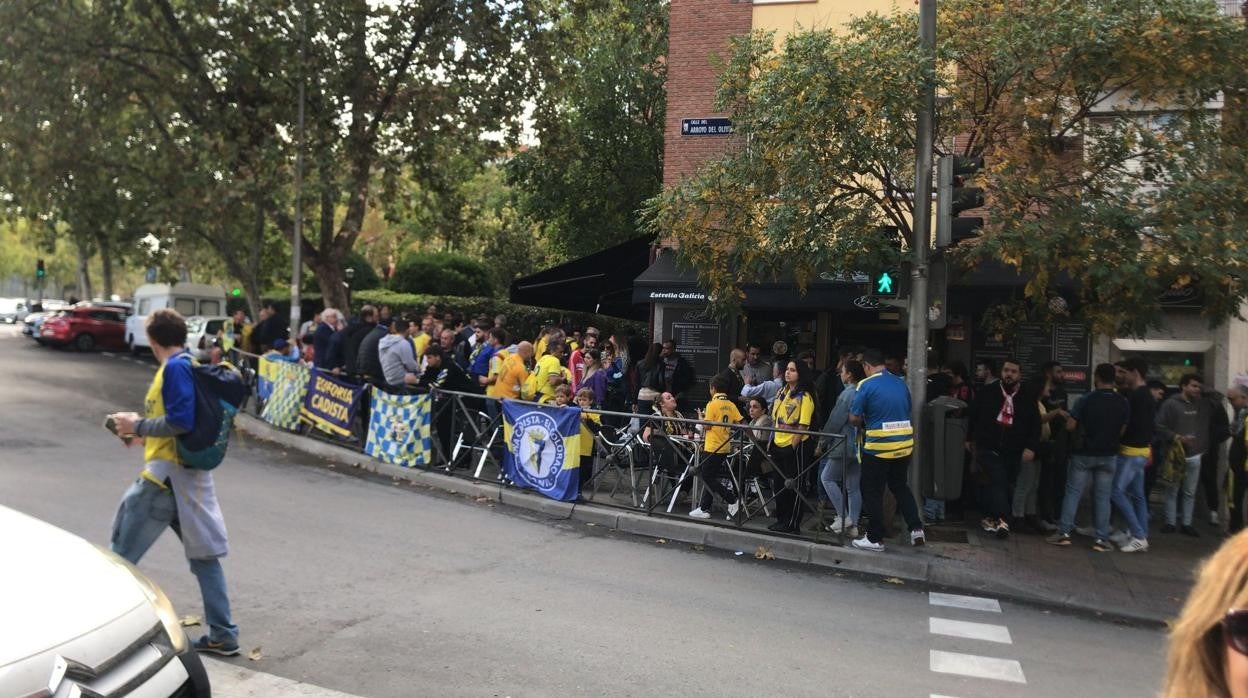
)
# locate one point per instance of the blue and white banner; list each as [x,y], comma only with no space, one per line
[543,448]
[398,429]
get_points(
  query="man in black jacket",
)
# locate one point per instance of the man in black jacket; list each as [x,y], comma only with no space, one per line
[368,356]
[678,374]
[1005,431]
[733,379]
[356,332]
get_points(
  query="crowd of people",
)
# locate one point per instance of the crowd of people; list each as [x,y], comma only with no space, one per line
[1030,455]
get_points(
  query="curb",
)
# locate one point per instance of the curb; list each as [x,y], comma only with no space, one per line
[913,568]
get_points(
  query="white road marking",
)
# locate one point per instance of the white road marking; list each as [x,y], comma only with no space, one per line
[233,681]
[937,695]
[970,603]
[971,631]
[976,666]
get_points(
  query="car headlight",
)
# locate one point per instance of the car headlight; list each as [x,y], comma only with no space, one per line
[161,603]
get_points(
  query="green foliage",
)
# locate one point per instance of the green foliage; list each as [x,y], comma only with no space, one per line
[365,276]
[599,122]
[523,321]
[442,273]
[1079,184]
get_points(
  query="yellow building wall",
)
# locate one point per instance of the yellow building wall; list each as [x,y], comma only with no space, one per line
[787,17]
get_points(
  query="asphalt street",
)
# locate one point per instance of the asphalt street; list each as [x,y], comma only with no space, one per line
[360,586]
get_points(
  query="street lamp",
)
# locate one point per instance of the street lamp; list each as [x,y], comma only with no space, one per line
[350,273]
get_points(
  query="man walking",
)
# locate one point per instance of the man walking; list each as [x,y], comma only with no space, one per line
[1005,431]
[881,408]
[1102,414]
[1130,496]
[1185,416]
[167,494]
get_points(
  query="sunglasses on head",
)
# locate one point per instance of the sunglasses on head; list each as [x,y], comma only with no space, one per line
[1235,630]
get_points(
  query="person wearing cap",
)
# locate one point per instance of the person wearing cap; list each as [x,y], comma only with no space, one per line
[281,352]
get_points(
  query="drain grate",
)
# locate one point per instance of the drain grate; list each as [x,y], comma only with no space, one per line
[938,534]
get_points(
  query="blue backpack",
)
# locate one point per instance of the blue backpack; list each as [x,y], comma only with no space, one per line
[219,395]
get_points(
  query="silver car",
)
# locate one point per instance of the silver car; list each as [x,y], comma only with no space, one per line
[76,620]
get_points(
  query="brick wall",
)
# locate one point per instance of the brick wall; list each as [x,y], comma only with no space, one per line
[700,33]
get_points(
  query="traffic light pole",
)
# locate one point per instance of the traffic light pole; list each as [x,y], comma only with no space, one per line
[916,354]
[296,256]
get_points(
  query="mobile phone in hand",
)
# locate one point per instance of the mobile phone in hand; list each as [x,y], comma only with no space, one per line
[111,425]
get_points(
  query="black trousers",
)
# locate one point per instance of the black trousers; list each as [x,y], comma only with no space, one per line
[713,469]
[1239,486]
[876,474]
[788,462]
[1209,477]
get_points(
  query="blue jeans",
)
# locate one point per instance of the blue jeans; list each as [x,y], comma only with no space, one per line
[933,509]
[1129,496]
[831,475]
[1191,479]
[1099,469]
[145,512]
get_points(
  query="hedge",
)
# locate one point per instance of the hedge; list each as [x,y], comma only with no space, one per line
[442,273]
[523,321]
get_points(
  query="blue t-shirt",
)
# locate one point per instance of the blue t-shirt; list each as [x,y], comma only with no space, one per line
[480,365]
[883,403]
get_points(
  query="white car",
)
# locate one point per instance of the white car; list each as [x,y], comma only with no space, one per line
[12,310]
[201,330]
[79,621]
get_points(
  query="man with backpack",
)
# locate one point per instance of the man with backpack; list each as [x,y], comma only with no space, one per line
[168,493]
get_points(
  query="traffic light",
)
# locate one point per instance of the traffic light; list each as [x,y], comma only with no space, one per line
[953,197]
[40,272]
[236,292]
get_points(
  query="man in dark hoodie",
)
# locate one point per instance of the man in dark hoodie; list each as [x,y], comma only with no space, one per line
[356,332]
[368,360]
[1005,431]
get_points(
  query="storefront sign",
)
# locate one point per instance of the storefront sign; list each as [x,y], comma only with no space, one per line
[679,296]
[706,127]
[699,343]
[1184,297]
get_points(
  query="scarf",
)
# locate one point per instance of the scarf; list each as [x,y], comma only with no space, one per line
[1006,416]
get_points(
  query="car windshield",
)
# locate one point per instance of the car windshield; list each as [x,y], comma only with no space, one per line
[194,324]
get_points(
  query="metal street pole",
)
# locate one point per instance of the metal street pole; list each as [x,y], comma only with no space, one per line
[296,256]
[916,353]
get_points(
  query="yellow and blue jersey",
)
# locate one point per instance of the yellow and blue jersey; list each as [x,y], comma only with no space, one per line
[883,403]
[172,396]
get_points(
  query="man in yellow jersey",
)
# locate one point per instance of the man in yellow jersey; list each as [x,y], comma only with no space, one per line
[513,374]
[881,408]
[167,494]
[549,373]
[715,449]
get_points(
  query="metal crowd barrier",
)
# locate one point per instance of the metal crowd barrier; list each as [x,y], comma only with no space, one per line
[630,471]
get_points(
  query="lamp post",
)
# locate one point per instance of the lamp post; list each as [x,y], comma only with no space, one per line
[350,274]
[297,242]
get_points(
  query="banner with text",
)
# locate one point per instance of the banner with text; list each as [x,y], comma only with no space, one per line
[330,403]
[543,448]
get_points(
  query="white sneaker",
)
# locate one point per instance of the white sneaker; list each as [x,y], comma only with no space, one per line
[1120,538]
[838,523]
[917,537]
[732,510]
[699,514]
[1134,545]
[865,543]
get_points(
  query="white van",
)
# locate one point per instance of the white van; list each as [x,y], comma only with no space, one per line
[185,297]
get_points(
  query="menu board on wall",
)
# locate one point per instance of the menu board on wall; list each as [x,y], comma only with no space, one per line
[699,343]
[1034,344]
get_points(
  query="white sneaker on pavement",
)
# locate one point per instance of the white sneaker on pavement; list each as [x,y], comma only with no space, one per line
[1120,538]
[865,543]
[838,523]
[1135,545]
[917,537]
[699,514]
[733,509]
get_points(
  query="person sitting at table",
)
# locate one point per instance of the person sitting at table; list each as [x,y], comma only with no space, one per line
[715,448]
[658,430]
[757,465]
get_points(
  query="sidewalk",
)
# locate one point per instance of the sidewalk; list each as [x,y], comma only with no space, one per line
[1142,587]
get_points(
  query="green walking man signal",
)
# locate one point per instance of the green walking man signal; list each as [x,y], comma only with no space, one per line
[884,284]
[40,272]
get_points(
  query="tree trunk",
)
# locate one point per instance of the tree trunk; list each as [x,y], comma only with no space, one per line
[333,284]
[106,265]
[84,271]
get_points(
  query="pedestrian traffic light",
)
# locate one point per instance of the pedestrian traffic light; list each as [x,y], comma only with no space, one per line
[953,196]
[40,272]
[886,284]
[236,292]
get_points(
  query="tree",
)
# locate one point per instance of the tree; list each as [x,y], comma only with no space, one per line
[599,121]
[388,85]
[1049,92]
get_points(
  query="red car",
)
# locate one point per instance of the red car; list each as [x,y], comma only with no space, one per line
[85,327]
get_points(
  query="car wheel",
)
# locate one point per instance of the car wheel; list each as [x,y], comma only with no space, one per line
[197,675]
[84,342]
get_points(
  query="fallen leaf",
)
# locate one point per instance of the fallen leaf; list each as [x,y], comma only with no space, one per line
[188,621]
[255,655]
[396,482]
[332,466]
[699,548]
[764,553]
[481,498]
[894,580]
[661,541]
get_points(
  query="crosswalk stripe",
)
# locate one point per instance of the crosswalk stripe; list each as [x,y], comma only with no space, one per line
[233,681]
[971,631]
[970,603]
[976,666]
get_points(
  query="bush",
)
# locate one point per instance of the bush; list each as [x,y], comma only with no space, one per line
[523,321]
[443,273]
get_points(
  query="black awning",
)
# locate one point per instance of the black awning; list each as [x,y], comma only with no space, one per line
[598,283]
[665,282]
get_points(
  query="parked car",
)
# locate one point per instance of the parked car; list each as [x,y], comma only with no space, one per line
[105,629]
[12,310]
[185,297]
[42,311]
[200,331]
[85,327]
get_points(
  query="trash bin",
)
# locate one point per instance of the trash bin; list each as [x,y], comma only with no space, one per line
[943,453]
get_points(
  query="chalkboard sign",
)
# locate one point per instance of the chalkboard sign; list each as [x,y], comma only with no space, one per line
[1072,348]
[698,340]
[1034,344]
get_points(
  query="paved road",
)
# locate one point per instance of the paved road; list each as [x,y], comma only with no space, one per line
[365,588]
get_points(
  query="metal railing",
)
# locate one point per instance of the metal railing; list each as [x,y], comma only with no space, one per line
[641,462]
